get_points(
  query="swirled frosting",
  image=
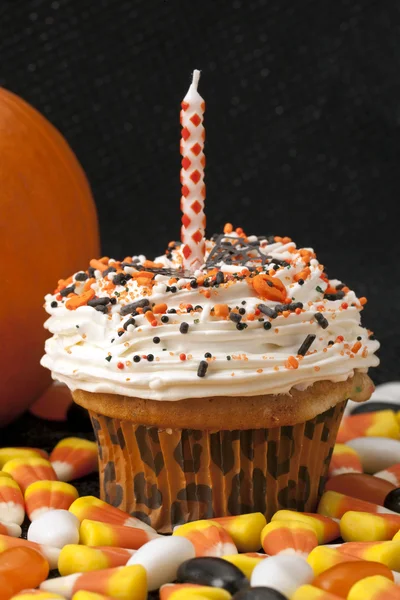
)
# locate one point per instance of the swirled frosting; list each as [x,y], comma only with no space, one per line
[260,317]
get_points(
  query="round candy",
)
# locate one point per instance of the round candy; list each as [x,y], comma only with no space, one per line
[259,593]
[372,406]
[376,453]
[340,578]
[361,486]
[283,572]
[392,500]
[161,558]
[55,528]
[215,572]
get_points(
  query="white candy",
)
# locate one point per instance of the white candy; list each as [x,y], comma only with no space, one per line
[55,528]
[161,558]
[284,573]
[376,453]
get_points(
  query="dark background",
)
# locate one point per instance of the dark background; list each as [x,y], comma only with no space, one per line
[302,121]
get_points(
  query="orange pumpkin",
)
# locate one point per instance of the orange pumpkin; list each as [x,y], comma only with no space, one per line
[48,230]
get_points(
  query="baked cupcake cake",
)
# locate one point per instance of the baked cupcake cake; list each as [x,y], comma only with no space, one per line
[215,376]
[217,392]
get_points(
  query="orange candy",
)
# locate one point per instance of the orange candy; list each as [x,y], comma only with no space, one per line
[340,578]
[276,292]
[21,568]
[344,460]
[361,486]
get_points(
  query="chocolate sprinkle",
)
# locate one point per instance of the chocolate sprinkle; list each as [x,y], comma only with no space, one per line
[267,325]
[184,327]
[322,322]
[305,346]
[270,312]
[99,301]
[136,358]
[68,290]
[81,276]
[54,304]
[129,322]
[337,296]
[202,370]
[129,308]
[91,271]
[235,317]
[219,278]
[109,270]
[101,308]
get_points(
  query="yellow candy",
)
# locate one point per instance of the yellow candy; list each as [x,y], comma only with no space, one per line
[368,527]
[82,595]
[245,530]
[4,474]
[245,563]
[79,559]
[36,595]
[200,593]
[374,588]
[386,553]
[325,528]
[322,558]
[309,592]
[7,454]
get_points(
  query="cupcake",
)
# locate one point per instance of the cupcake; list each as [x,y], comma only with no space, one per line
[216,392]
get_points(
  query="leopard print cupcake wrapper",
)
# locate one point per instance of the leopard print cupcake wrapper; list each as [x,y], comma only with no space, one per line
[168,477]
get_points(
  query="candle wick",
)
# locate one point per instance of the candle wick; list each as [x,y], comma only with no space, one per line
[196,77]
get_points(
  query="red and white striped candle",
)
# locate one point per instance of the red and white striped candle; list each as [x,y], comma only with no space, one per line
[192,177]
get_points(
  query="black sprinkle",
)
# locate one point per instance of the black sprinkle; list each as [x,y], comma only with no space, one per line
[359,338]
[109,270]
[322,322]
[150,357]
[68,290]
[81,276]
[219,278]
[244,302]
[241,326]
[129,322]
[91,271]
[113,300]
[146,309]
[228,358]
[120,333]
[99,301]
[119,279]
[242,311]
[319,289]
[156,340]
[301,282]
[206,283]
[184,327]
[330,343]
[305,346]
[136,358]
[340,286]
[164,319]
[108,358]
[198,307]
[172,311]
[193,284]
[267,325]
[235,317]
[337,296]
[173,289]
[129,308]
[270,312]
[101,308]
[202,370]
[208,355]
[54,304]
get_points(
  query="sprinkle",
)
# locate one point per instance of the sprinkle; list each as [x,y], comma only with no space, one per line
[235,317]
[173,289]
[202,370]
[81,276]
[301,282]
[136,358]
[99,301]
[184,327]
[322,322]
[344,305]
[70,289]
[219,278]
[228,358]
[305,346]
[292,363]
[120,365]
[363,300]
[120,333]
[172,311]
[267,325]
[359,338]
[208,355]
[267,311]
[150,357]
[182,356]
[338,296]
[164,319]
[54,304]
[356,347]
[129,308]
[129,322]
[242,311]
[319,289]
[241,326]
[108,358]
[193,284]
[91,272]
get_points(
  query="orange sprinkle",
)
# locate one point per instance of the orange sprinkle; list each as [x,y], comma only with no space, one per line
[144,274]
[365,352]
[363,301]
[221,310]
[259,370]
[105,260]
[250,317]
[356,347]
[143,281]
[76,301]
[150,317]
[346,290]
[317,368]
[98,264]
[292,363]
[276,368]
[88,283]
[298,311]
[160,309]
[149,264]
[110,286]
[228,228]
[286,313]
[303,274]
[286,240]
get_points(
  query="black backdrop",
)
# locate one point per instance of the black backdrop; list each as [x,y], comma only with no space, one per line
[303,114]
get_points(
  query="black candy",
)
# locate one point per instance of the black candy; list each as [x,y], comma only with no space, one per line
[367,407]
[215,572]
[259,593]
[392,500]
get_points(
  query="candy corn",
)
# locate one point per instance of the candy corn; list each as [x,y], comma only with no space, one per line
[245,562]
[191,591]
[334,505]
[122,583]
[362,486]
[368,527]
[208,538]
[374,588]
[29,470]
[391,474]
[73,458]
[79,559]
[396,537]
[309,592]
[340,578]
[89,507]
[245,530]
[372,424]
[11,529]
[50,554]
[7,454]
[323,557]
[12,505]
[43,496]
[83,595]
[325,528]
[4,474]
[36,595]
[95,533]
[344,460]
[386,553]
[292,536]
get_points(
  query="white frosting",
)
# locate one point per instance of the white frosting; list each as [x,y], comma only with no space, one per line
[84,338]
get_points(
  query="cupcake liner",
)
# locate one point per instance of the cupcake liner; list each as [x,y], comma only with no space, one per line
[171,476]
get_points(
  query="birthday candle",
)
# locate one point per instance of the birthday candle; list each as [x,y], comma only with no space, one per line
[192,177]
